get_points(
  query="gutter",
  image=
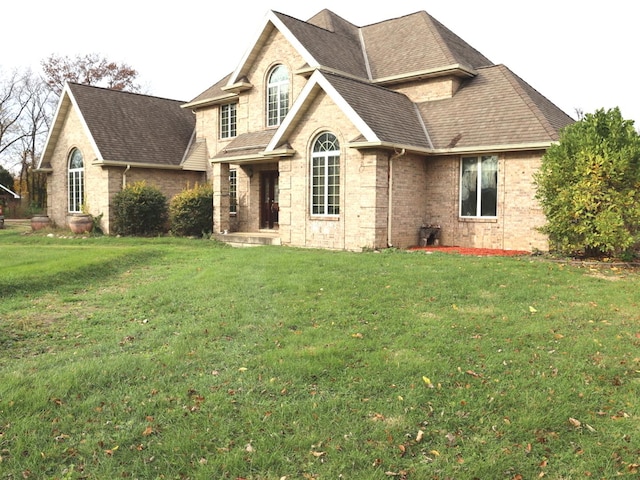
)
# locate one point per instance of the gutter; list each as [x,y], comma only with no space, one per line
[390,194]
[124,177]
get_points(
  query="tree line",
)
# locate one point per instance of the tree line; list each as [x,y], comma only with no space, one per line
[28,101]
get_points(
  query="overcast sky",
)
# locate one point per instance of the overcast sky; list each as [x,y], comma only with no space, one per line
[580,55]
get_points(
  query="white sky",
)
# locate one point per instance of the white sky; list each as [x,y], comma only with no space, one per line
[579,54]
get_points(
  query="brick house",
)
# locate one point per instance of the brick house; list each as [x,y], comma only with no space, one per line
[335,136]
[103,139]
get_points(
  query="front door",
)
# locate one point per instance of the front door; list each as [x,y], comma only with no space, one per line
[269,199]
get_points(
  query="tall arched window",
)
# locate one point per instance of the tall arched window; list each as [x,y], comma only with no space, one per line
[76,181]
[325,175]
[277,95]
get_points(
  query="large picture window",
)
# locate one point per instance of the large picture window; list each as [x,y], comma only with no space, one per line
[75,181]
[228,118]
[277,95]
[325,175]
[479,186]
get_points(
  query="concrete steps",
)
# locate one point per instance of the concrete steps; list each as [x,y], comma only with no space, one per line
[248,239]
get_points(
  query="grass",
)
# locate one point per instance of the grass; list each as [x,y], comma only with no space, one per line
[184,359]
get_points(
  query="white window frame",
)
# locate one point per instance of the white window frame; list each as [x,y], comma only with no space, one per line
[277,95]
[228,120]
[233,191]
[325,176]
[75,179]
[478,179]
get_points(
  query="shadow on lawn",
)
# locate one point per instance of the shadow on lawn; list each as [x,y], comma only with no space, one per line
[72,278]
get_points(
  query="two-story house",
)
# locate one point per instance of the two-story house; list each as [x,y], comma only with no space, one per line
[335,136]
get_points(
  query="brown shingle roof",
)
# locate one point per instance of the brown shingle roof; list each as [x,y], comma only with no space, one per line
[134,128]
[494,108]
[213,91]
[252,143]
[389,114]
[340,50]
[416,42]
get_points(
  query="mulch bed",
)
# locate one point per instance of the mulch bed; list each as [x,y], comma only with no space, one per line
[479,252]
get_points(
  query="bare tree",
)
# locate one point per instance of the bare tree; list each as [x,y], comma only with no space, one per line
[13,100]
[89,69]
[35,122]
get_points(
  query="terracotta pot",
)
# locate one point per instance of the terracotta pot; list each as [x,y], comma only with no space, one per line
[80,223]
[38,222]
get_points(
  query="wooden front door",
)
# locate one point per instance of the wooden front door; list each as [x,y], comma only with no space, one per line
[269,199]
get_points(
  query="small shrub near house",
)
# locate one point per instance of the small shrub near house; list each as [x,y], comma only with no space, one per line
[140,210]
[191,211]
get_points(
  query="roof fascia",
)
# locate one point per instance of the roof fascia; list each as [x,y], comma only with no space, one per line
[454,69]
[475,150]
[54,132]
[207,102]
[263,31]
[56,126]
[11,192]
[261,157]
[119,163]
[315,82]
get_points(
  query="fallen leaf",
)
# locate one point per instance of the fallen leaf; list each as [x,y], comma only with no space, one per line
[532,309]
[419,436]
[576,423]
[147,431]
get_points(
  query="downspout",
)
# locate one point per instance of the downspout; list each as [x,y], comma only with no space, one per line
[124,177]
[390,195]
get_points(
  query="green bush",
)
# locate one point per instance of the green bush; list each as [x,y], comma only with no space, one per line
[140,210]
[191,211]
[589,186]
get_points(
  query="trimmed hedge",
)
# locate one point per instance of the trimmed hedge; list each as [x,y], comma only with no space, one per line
[191,212]
[140,210]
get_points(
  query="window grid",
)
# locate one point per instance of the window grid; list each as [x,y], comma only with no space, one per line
[233,191]
[325,176]
[228,120]
[76,182]
[277,96]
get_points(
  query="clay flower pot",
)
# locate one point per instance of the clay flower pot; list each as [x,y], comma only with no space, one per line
[38,222]
[80,223]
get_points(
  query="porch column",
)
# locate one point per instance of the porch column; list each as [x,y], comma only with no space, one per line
[220,197]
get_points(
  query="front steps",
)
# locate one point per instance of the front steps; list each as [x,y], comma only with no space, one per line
[248,239]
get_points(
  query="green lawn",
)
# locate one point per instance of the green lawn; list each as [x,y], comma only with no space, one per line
[184,359]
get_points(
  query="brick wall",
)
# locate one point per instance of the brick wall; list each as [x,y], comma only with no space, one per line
[101,183]
[519,213]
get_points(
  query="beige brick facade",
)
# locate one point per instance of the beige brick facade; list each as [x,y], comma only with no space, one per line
[101,183]
[389,187]
[386,195]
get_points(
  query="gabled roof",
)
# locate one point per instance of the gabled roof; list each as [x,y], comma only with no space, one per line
[395,50]
[357,67]
[382,116]
[495,108]
[126,128]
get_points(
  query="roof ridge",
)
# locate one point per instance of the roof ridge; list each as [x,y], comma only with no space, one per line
[518,85]
[107,89]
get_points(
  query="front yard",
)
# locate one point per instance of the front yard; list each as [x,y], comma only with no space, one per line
[184,359]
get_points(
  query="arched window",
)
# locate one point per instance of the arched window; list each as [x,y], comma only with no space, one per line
[277,95]
[325,175]
[76,181]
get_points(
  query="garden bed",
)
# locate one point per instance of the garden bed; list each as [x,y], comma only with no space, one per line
[480,252]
